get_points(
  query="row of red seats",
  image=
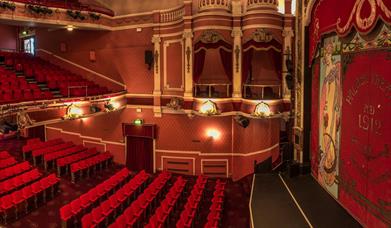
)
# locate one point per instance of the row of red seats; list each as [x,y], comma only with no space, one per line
[48,158]
[135,213]
[190,211]
[27,95]
[39,153]
[12,203]
[14,170]
[39,144]
[166,209]
[114,202]
[67,161]
[4,155]
[71,213]
[7,162]
[82,168]
[215,210]
[18,181]
[32,141]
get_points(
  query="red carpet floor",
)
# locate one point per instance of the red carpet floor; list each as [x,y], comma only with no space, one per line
[236,213]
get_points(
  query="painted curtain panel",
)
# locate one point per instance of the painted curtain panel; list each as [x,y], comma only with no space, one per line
[330,97]
[365,180]
[351,120]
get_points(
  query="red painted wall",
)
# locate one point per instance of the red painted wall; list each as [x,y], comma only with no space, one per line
[181,137]
[8,37]
[119,54]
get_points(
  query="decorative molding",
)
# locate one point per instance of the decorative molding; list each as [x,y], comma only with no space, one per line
[209,37]
[237,58]
[204,5]
[173,157]
[188,55]
[93,142]
[166,44]
[199,153]
[212,160]
[261,35]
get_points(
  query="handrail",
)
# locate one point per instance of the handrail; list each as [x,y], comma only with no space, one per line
[261,95]
[211,89]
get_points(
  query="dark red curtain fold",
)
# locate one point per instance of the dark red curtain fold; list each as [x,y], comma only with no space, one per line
[139,153]
[246,64]
[198,65]
[277,58]
[226,59]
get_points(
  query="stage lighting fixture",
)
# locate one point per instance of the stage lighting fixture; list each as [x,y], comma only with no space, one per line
[208,108]
[73,112]
[112,106]
[94,109]
[262,110]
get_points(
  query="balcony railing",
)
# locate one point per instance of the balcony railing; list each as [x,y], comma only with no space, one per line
[172,15]
[251,4]
[204,5]
[212,90]
[261,92]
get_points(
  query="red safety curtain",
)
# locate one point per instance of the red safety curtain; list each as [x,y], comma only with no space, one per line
[315,120]
[226,60]
[246,64]
[198,65]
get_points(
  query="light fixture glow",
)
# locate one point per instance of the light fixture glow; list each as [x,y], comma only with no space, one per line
[262,110]
[73,112]
[112,106]
[24,32]
[208,108]
[213,133]
[138,122]
[70,28]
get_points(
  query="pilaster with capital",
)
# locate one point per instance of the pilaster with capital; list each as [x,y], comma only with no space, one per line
[188,37]
[288,35]
[237,49]
[156,40]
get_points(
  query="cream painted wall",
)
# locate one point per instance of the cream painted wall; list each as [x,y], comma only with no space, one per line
[123,7]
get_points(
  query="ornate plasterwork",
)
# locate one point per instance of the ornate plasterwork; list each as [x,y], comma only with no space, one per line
[210,37]
[261,35]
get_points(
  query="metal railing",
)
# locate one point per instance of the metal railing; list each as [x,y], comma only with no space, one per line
[262,92]
[212,90]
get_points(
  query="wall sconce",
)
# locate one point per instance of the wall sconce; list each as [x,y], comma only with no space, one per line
[262,110]
[213,133]
[73,112]
[208,108]
[111,106]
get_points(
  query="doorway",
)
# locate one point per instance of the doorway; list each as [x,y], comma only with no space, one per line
[139,153]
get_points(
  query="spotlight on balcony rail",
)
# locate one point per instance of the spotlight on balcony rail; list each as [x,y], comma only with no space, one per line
[73,112]
[262,110]
[111,106]
[208,108]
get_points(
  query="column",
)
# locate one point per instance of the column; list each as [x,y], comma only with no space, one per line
[188,37]
[156,75]
[237,49]
[288,34]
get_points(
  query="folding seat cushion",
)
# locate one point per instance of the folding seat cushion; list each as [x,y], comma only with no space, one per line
[97,215]
[66,213]
[86,221]
[6,203]
[27,95]
[106,208]
[17,197]
[76,206]
[84,201]
[18,67]
[28,72]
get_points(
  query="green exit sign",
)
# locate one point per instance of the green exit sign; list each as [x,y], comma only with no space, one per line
[138,122]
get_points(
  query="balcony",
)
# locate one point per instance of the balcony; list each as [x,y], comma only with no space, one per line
[254,4]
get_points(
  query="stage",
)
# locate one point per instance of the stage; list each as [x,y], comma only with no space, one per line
[278,201]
